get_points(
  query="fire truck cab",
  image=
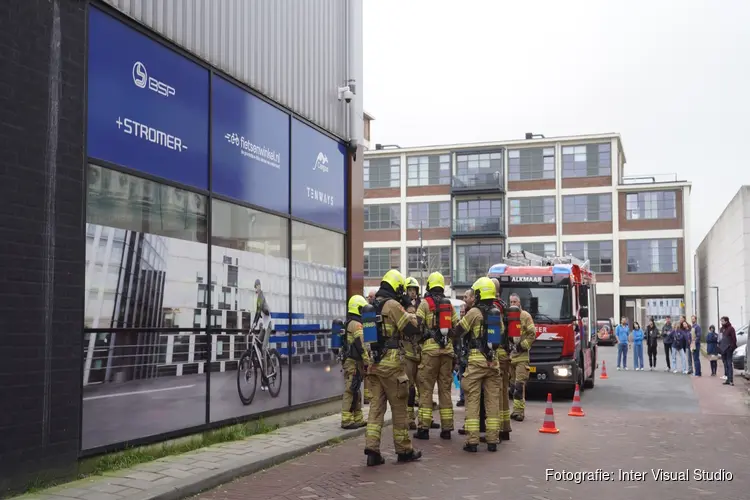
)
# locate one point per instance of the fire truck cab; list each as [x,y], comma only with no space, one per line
[560,294]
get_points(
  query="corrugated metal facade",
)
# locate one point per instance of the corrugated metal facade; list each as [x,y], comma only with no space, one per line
[293,51]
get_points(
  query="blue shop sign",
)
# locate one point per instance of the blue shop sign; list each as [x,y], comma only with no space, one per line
[250,150]
[318,178]
[147,105]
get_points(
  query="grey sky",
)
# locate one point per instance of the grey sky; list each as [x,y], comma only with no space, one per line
[672,76]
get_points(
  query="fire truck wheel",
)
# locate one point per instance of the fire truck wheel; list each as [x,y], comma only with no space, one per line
[581,379]
[590,382]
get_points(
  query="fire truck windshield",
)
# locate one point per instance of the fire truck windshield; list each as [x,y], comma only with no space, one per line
[546,304]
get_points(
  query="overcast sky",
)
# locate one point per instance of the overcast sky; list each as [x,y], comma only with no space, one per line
[671,76]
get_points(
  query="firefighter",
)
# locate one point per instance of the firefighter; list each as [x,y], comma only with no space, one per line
[482,371]
[366,391]
[519,360]
[437,359]
[355,361]
[388,382]
[411,352]
[503,358]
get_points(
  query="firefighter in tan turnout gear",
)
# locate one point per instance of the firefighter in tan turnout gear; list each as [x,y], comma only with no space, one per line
[436,317]
[411,351]
[503,358]
[482,371]
[356,359]
[519,360]
[389,385]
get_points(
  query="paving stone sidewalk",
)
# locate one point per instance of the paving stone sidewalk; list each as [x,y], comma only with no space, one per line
[180,476]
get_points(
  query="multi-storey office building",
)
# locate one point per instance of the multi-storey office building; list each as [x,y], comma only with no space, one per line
[563,195]
[160,158]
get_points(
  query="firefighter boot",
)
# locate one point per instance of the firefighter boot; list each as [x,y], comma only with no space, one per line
[492,447]
[504,436]
[374,458]
[445,434]
[423,434]
[471,448]
[410,456]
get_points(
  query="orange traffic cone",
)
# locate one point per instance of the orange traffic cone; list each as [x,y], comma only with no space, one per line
[548,427]
[575,409]
[604,371]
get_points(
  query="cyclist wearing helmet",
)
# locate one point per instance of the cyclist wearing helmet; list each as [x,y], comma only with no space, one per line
[356,360]
[482,370]
[389,384]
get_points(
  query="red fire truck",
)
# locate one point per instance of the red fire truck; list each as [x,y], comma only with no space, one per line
[560,295]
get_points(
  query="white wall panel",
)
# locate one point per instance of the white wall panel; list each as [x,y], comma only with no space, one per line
[293,51]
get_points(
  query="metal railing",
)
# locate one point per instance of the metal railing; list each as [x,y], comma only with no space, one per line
[479,225]
[478,180]
[649,179]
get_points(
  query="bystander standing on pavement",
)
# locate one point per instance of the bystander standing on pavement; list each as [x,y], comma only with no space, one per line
[667,339]
[727,345]
[637,347]
[696,347]
[652,342]
[712,348]
[622,334]
[688,342]
[679,340]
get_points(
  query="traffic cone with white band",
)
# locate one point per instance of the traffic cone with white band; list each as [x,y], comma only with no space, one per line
[549,427]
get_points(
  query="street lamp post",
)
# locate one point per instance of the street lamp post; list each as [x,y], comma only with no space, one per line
[718,314]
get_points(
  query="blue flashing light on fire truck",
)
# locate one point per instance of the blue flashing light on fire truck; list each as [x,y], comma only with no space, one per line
[560,294]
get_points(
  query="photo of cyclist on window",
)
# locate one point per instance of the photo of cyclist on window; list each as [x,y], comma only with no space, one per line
[262,312]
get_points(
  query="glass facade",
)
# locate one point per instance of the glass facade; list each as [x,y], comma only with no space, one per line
[474,261]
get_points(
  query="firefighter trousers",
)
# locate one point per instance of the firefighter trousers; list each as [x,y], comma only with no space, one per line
[351,403]
[412,367]
[367,389]
[504,395]
[388,386]
[434,368]
[475,379]
[519,372]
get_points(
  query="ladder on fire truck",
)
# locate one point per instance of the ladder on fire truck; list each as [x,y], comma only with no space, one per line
[524,258]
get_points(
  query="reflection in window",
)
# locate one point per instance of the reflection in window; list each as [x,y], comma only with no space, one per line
[438,260]
[432,170]
[544,249]
[478,170]
[429,214]
[382,172]
[319,297]
[589,160]
[538,210]
[382,217]
[587,208]
[652,256]
[249,245]
[379,261]
[475,261]
[651,205]
[531,164]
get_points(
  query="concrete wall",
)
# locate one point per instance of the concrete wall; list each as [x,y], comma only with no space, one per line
[293,51]
[722,259]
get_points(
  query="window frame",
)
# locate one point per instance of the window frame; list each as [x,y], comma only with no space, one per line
[673,248]
[518,171]
[444,206]
[416,163]
[394,178]
[596,267]
[571,155]
[529,200]
[438,252]
[545,253]
[392,254]
[463,249]
[384,225]
[480,164]
[637,201]
[575,198]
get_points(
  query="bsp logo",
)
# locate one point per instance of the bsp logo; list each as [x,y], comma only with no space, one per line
[142,80]
[321,163]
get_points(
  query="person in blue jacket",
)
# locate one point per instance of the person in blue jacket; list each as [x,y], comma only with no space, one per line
[637,347]
[712,348]
[696,347]
[622,333]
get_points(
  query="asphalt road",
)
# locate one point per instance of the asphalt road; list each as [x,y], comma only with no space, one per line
[114,413]
[635,421]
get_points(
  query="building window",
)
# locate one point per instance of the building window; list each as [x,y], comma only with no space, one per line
[432,214]
[382,217]
[481,169]
[478,215]
[539,210]
[652,256]
[433,170]
[545,249]
[379,261]
[598,253]
[438,260]
[531,164]
[475,261]
[651,205]
[590,160]
[382,173]
[587,208]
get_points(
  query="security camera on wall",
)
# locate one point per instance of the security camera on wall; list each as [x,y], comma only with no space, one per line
[346,94]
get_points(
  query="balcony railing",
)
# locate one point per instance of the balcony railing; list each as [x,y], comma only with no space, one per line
[478,181]
[478,226]
[649,179]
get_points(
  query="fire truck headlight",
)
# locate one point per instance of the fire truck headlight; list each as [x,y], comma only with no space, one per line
[562,371]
